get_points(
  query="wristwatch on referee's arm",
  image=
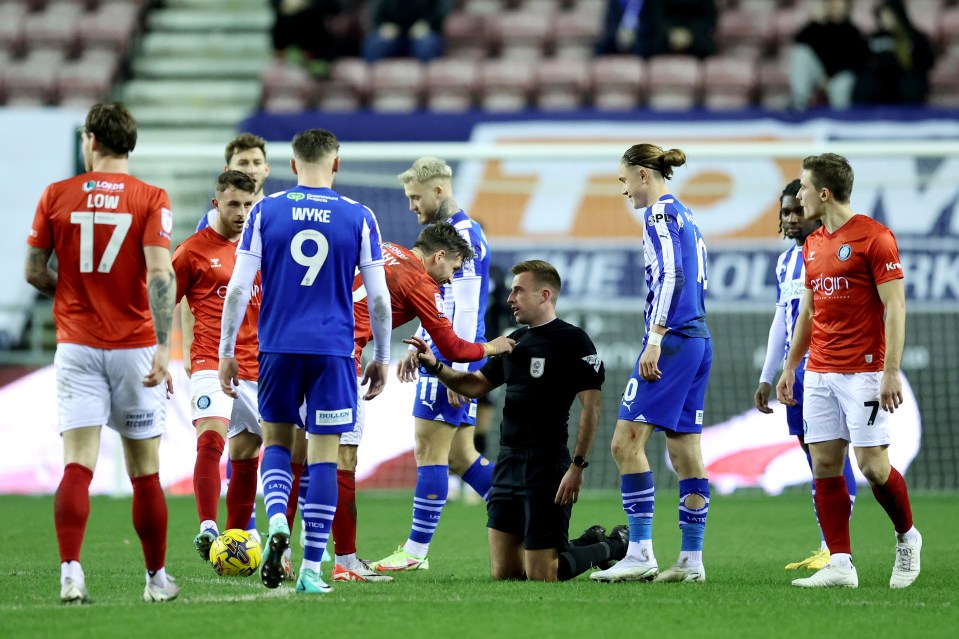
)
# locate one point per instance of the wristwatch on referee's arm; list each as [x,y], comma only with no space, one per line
[580,461]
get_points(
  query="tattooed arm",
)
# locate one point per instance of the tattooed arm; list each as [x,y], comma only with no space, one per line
[37,270]
[161,292]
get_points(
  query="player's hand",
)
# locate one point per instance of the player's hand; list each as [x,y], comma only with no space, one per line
[375,374]
[568,492]
[761,398]
[649,363]
[229,376]
[406,371]
[784,389]
[456,400]
[160,371]
[502,345]
[890,392]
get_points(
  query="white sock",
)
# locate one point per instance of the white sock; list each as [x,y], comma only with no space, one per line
[209,524]
[279,518]
[347,561]
[911,536]
[415,548]
[315,566]
[823,546]
[73,571]
[841,560]
[635,549]
[691,557]
[158,578]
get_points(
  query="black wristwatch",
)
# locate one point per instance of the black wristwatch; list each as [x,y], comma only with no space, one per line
[580,461]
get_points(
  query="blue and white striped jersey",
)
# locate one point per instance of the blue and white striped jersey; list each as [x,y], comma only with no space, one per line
[790,287]
[465,299]
[675,269]
[206,220]
[310,242]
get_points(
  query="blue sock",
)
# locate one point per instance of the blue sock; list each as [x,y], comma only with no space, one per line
[304,490]
[639,495]
[319,509]
[692,521]
[277,478]
[432,486]
[479,477]
[850,482]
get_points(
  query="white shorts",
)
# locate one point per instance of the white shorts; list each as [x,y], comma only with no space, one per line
[104,387]
[844,406]
[207,399]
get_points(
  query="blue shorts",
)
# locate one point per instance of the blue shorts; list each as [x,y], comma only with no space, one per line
[794,413]
[431,403]
[677,400]
[326,383]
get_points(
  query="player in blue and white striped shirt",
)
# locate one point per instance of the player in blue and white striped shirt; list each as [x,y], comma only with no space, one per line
[445,422]
[667,390]
[790,289]
[310,241]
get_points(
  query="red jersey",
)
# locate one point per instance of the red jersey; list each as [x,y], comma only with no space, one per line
[204,264]
[97,224]
[843,270]
[413,294]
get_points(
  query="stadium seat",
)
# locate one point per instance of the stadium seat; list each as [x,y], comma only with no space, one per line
[576,34]
[56,26]
[944,83]
[396,85]
[336,95]
[506,84]
[728,83]
[482,7]
[352,72]
[112,25]
[281,80]
[465,35]
[33,80]
[674,82]
[744,30]
[774,92]
[451,84]
[788,22]
[88,79]
[287,103]
[949,31]
[617,82]
[562,83]
[521,34]
[12,19]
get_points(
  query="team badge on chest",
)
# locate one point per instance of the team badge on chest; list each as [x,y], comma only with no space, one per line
[536,366]
[844,253]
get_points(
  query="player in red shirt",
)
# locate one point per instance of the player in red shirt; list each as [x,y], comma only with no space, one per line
[413,277]
[204,264]
[113,307]
[853,322]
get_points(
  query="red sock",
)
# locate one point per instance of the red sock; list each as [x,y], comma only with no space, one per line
[150,519]
[833,507]
[206,474]
[241,493]
[71,509]
[894,498]
[344,520]
[298,470]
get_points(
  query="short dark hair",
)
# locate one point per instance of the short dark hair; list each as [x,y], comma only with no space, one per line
[114,127]
[244,142]
[791,190]
[237,179]
[650,156]
[833,172]
[544,274]
[313,145]
[443,236]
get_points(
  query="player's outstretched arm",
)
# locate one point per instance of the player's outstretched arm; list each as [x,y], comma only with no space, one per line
[467,384]
[161,293]
[802,332]
[375,374]
[238,293]
[893,296]
[37,271]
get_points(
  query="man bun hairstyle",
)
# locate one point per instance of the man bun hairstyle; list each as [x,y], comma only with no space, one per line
[313,145]
[237,179]
[650,156]
[443,236]
[113,126]
[833,172]
[544,274]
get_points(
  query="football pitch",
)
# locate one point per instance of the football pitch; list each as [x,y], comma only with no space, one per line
[749,538]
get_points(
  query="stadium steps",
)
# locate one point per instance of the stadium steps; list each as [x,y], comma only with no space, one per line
[195,77]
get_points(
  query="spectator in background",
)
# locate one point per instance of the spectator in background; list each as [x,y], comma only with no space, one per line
[301,33]
[828,53]
[899,60]
[406,28]
[659,27]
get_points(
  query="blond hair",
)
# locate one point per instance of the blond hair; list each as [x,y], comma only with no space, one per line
[425,170]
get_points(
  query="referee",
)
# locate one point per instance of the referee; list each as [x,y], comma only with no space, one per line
[535,483]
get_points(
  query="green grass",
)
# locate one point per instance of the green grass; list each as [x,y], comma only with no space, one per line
[750,537]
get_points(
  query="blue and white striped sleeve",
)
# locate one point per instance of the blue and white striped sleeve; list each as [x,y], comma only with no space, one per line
[251,242]
[664,237]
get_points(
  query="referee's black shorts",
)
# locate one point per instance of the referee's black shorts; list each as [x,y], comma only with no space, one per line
[525,482]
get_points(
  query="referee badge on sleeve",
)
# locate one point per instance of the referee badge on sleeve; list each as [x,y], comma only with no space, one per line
[536,366]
